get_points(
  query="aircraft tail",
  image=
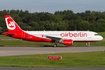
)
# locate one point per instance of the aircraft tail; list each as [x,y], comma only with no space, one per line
[11,24]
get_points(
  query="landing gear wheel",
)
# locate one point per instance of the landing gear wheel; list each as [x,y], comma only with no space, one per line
[55,45]
[89,44]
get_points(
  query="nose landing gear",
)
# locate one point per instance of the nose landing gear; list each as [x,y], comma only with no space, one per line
[89,44]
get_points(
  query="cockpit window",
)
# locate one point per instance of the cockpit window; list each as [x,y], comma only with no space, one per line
[96,34]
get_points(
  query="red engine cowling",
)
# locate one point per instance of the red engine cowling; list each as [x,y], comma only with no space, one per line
[68,42]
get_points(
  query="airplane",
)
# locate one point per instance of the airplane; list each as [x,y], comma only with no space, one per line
[63,37]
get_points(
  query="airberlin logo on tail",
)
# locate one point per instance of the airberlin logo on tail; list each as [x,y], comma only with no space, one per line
[10,24]
[68,34]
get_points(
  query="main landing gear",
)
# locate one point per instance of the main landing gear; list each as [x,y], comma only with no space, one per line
[55,45]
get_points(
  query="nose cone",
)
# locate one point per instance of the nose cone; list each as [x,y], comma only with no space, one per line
[101,38]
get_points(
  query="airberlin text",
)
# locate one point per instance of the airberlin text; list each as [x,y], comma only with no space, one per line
[69,34]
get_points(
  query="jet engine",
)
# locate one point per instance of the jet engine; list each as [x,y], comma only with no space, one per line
[68,42]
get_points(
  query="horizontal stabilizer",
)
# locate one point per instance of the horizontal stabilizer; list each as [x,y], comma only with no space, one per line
[8,33]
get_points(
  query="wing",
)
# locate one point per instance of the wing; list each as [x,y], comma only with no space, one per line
[54,38]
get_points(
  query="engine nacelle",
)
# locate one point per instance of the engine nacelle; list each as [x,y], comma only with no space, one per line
[68,42]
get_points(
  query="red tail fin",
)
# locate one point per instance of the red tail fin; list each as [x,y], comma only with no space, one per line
[11,24]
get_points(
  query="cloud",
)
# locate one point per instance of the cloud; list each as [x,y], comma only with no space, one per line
[33,10]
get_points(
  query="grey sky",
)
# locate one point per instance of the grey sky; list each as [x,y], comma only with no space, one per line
[53,5]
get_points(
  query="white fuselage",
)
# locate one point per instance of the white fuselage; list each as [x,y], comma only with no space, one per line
[76,36]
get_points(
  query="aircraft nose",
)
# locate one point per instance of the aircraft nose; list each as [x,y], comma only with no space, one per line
[101,38]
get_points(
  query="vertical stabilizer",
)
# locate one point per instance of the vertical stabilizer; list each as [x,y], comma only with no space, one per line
[11,24]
